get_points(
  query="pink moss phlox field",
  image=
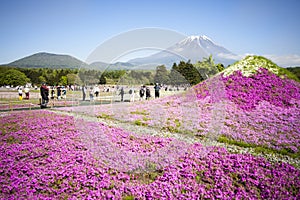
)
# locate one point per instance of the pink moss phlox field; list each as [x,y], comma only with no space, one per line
[266,125]
[247,92]
[18,106]
[24,105]
[127,151]
[48,156]
[265,109]
[262,109]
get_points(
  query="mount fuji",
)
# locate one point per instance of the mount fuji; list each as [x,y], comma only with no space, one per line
[193,48]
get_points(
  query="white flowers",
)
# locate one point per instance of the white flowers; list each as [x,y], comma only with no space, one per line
[250,65]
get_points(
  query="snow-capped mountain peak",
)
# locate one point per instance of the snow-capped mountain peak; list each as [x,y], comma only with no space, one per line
[194,37]
[194,48]
[198,39]
[204,37]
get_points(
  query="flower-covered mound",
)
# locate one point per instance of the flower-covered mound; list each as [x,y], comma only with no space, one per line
[248,92]
[261,109]
[251,64]
[49,156]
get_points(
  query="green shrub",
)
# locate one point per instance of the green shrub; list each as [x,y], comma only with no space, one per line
[105,116]
[138,122]
[128,197]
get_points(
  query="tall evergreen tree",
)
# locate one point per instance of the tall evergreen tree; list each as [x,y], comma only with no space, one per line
[176,78]
[161,75]
[102,79]
[189,72]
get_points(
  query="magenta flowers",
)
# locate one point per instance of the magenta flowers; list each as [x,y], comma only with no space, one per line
[43,156]
[262,109]
[247,92]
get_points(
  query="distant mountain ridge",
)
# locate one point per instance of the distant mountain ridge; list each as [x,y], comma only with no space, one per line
[58,61]
[48,60]
[193,48]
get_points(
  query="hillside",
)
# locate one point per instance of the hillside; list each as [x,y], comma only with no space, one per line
[252,80]
[251,64]
[58,61]
[262,105]
[230,137]
[236,106]
[48,60]
[115,66]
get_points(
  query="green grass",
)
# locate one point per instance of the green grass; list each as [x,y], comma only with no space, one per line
[259,148]
[172,128]
[12,140]
[138,122]
[128,197]
[147,177]
[142,112]
[105,116]
[288,74]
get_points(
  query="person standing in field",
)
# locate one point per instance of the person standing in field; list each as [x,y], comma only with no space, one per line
[64,92]
[52,92]
[26,90]
[83,92]
[44,94]
[96,91]
[132,93]
[58,90]
[122,93]
[91,94]
[148,94]
[156,89]
[20,92]
[142,92]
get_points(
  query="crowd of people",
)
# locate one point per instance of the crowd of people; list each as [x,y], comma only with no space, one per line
[60,92]
[22,89]
[55,92]
[93,91]
[130,92]
[144,92]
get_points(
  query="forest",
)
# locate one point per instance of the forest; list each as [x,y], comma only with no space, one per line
[180,73]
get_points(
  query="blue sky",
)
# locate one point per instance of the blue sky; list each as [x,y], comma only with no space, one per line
[77,27]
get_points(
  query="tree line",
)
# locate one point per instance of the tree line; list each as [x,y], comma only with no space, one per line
[181,73]
[187,73]
[13,76]
[21,76]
